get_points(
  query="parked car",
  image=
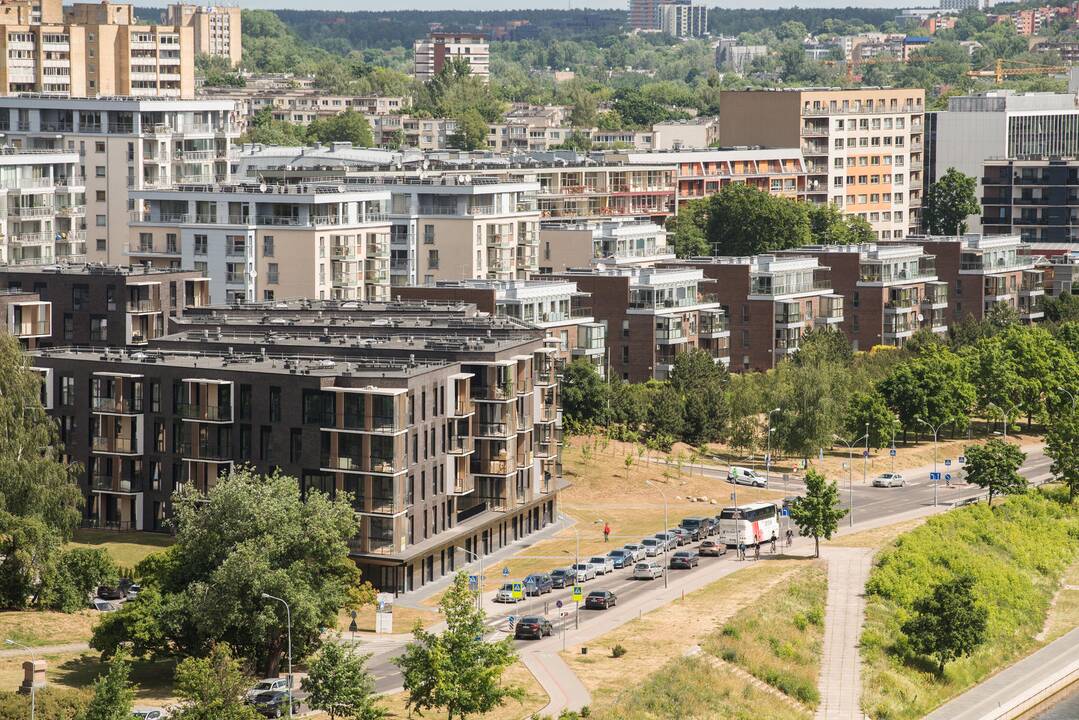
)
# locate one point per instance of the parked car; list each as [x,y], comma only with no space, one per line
[603,563]
[267,685]
[145,713]
[682,536]
[585,572]
[685,559]
[621,558]
[600,600]
[274,703]
[637,550]
[538,584]
[695,526]
[505,594]
[745,476]
[653,546]
[669,540]
[562,577]
[532,626]
[108,592]
[889,479]
[649,570]
[710,548]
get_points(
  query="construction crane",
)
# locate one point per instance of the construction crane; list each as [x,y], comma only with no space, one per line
[999,72]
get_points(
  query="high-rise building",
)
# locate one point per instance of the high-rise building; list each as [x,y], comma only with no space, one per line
[642,14]
[43,196]
[216,28]
[682,18]
[1034,197]
[862,148]
[433,52]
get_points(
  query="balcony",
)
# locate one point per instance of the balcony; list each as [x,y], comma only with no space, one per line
[32,211]
[713,324]
[1033,283]
[115,445]
[211,451]
[900,300]
[375,465]
[830,310]
[125,484]
[144,305]
[208,413]
[996,288]
[489,466]
[788,314]
[116,405]
[493,430]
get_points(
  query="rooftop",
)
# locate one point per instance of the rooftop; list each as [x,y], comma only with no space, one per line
[92,269]
[868,251]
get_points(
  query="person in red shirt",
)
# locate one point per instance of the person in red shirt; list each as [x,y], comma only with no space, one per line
[606,532]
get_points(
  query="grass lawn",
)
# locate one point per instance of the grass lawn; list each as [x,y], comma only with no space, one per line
[877,537]
[79,670]
[404,619]
[1064,613]
[36,628]
[126,548]
[781,639]
[535,699]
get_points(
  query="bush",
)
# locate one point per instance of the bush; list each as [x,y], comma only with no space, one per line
[618,651]
[67,585]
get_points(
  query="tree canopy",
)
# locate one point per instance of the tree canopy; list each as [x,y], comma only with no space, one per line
[948,203]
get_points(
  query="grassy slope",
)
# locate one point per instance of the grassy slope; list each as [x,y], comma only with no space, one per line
[126,548]
[1018,551]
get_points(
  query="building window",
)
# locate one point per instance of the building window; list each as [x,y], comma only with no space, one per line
[271,273]
[67,390]
[202,267]
[267,246]
[432,259]
[99,171]
[201,245]
[171,243]
[101,246]
[275,404]
[101,221]
[99,147]
[268,295]
[99,329]
[101,196]
[428,234]
[80,295]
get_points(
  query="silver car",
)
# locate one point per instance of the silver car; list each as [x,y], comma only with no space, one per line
[267,685]
[636,550]
[889,479]
[585,571]
[602,563]
[649,570]
[652,546]
[505,594]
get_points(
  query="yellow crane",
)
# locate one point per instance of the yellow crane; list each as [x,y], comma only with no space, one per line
[999,72]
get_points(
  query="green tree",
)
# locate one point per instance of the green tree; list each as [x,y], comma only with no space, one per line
[456,670]
[702,385]
[630,402]
[949,623]
[471,132]
[812,397]
[933,388]
[817,513]
[250,535]
[1062,446]
[339,684]
[829,226]
[1042,364]
[824,344]
[584,395]
[1062,308]
[349,126]
[994,466]
[686,230]
[51,703]
[746,403]
[871,409]
[212,688]
[743,220]
[666,416]
[68,583]
[948,202]
[113,694]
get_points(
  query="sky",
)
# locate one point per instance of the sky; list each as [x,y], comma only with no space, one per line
[352,5]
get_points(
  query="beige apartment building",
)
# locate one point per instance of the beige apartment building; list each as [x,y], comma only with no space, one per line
[216,28]
[611,243]
[42,208]
[863,148]
[264,242]
[433,52]
[92,50]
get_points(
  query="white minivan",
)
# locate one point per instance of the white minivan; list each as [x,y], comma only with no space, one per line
[745,476]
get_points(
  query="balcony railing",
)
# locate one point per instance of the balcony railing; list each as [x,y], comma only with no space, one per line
[114,445]
[107,483]
[213,413]
[104,403]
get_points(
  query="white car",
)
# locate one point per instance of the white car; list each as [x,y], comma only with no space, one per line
[505,594]
[585,571]
[636,550]
[603,564]
[745,476]
[888,480]
[266,686]
[146,713]
[647,570]
[652,546]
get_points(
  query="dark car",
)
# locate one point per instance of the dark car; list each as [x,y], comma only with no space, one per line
[695,526]
[108,592]
[600,600]
[538,584]
[562,577]
[274,703]
[532,627]
[710,548]
[682,536]
[685,559]
[622,558]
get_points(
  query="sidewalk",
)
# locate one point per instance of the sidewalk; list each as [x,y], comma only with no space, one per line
[841,664]
[1013,691]
[560,682]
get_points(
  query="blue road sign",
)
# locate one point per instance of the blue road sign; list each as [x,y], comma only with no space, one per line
[962,459]
[558,603]
[784,512]
[506,571]
[892,452]
[512,619]
[948,477]
[865,453]
[473,582]
[947,462]
[934,476]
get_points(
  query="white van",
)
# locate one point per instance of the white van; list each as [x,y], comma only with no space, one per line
[745,476]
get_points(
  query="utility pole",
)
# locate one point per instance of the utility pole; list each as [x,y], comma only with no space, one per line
[936,473]
[850,476]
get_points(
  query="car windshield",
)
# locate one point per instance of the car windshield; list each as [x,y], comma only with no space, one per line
[560,573]
[265,685]
[508,587]
[642,566]
[530,620]
[599,560]
[651,542]
[597,593]
[580,566]
[681,554]
[617,553]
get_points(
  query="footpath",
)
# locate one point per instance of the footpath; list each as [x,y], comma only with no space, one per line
[841,664]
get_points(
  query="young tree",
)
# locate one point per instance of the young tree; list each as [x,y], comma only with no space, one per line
[349,126]
[703,387]
[457,670]
[113,695]
[817,513]
[339,684]
[948,202]
[949,623]
[686,230]
[994,466]
[743,220]
[584,395]
[471,133]
[1062,446]
[870,408]
[666,416]
[212,688]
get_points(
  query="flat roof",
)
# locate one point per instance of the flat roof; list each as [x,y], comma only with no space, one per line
[118,103]
[94,269]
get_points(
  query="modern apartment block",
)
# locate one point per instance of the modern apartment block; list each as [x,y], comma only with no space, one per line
[263,242]
[92,49]
[216,28]
[43,196]
[95,305]
[862,147]
[609,188]
[124,144]
[25,316]
[983,270]
[890,290]
[443,426]
[1036,198]
[433,52]
[770,302]
[652,315]
[554,306]
[643,15]
[682,18]
[612,243]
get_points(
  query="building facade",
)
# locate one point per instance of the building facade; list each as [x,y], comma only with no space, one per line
[433,52]
[43,197]
[216,28]
[614,243]
[683,18]
[1035,198]
[26,317]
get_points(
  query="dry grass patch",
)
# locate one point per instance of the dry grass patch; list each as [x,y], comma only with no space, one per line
[127,549]
[79,670]
[1064,613]
[517,674]
[877,537]
[404,619]
[38,628]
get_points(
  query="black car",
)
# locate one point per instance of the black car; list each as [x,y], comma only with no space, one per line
[600,600]
[562,577]
[682,536]
[532,627]
[695,526]
[274,703]
[108,592]
[538,584]
[685,559]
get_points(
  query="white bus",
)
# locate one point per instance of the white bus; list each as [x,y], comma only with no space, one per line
[749,525]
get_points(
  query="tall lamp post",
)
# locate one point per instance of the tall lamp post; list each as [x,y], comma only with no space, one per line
[665,530]
[288,625]
[479,585]
[1004,416]
[850,477]
[768,457]
[1069,394]
[33,688]
[936,474]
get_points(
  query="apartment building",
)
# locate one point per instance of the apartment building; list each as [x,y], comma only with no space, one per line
[652,315]
[1036,198]
[301,105]
[554,306]
[598,190]
[862,147]
[682,18]
[643,14]
[98,305]
[216,28]
[770,302]
[890,290]
[263,242]
[983,270]
[26,317]
[433,52]
[43,202]
[612,243]
[123,144]
[695,133]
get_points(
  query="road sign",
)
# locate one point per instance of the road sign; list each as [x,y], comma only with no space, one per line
[934,476]
[473,582]
[558,603]
[784,512]
[506,571]
[865,453]
[948,477]
[892,452]
[947,462]
[962,459]
[512,619]
[518,591]
[578,593]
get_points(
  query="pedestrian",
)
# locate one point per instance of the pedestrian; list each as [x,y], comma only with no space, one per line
[773,543]
[741,551]
[757,551]
[790,537]
[606,532]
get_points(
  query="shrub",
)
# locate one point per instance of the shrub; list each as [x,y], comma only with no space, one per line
[618,650]
[67,585]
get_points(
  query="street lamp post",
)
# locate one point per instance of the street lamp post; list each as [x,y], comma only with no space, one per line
[936,474]
[850,476]
[665,530]
[768,457]
[288,625]
[865,455]
[33,688]
[1004,415]
[1070,395]
[479,585]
